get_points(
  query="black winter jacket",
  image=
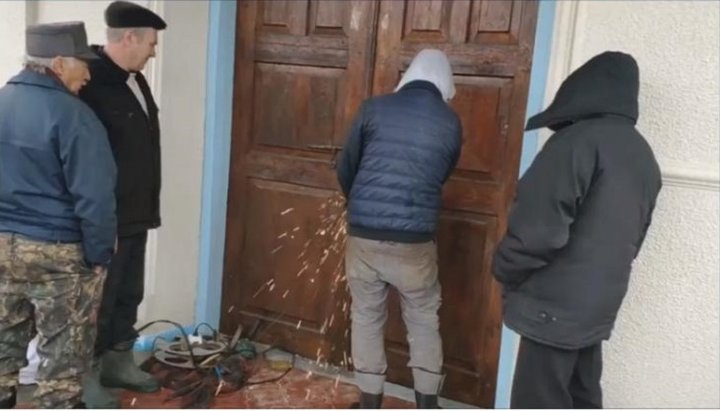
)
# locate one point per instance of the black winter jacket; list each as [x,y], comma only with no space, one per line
[582,210]
[134,139]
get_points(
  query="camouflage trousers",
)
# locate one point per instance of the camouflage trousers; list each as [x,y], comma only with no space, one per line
[46,288]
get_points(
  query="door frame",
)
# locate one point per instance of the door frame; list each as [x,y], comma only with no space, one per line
[509,340]
[216,164]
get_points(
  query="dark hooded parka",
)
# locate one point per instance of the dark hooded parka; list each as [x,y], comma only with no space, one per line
[582,210]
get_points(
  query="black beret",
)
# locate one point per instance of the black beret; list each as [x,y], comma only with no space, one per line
[123,14]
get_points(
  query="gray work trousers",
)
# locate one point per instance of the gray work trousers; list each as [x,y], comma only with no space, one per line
[371,267]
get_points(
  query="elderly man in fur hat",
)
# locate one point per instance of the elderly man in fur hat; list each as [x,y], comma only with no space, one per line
[57,216]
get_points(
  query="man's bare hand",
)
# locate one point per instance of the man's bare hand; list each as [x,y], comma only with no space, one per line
[99,270]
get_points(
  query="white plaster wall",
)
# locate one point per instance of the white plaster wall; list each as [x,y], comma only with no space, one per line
[664,351]
[181,96]
[12,39]
[88,11]
[177,77]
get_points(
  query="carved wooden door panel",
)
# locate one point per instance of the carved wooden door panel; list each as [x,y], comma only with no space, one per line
[302,70]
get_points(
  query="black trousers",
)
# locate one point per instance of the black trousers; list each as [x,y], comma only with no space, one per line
[548,377]
[123,293]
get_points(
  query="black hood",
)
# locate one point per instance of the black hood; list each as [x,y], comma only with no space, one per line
[607,84]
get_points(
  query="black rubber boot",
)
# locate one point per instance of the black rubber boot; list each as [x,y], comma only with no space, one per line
[425,401]
[368,401]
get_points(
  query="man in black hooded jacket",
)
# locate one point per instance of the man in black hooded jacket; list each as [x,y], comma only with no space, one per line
[579,219]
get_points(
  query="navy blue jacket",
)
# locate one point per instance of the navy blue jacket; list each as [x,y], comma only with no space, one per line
[401,149]
[57,173]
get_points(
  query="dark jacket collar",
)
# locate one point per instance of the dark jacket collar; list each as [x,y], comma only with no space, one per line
[105,70]
[422,85]
[33,78]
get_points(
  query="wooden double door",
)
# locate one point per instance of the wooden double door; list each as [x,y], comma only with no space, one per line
[302,69]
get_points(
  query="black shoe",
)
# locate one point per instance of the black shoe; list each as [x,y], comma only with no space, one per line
[425,401]
[368,401]
[9,403]
[80,405]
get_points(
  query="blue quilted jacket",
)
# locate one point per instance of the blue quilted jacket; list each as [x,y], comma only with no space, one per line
[400,150]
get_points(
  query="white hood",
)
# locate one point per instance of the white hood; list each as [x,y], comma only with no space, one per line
[431,65]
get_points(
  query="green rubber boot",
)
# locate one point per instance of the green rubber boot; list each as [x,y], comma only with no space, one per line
[118,370]
[94,394]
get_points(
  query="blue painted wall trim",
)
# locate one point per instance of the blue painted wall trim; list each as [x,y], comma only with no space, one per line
[538,78]
[218,125]
[216,163]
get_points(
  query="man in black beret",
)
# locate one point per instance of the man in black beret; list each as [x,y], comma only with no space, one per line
[57,216]
[121,98]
